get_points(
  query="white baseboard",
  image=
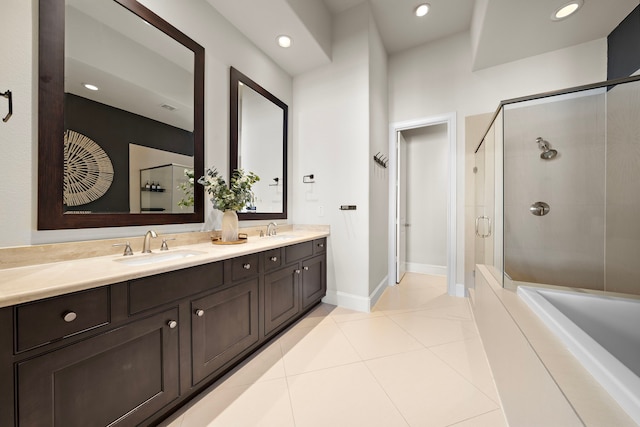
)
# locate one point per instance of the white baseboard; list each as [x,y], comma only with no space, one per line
[345,300]
[355,302]
[377,292]
[461,291]
[435,270]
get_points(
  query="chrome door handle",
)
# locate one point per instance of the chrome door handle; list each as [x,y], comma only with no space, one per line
[489,231]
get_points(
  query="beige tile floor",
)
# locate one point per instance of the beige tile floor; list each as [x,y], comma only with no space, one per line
[415,360]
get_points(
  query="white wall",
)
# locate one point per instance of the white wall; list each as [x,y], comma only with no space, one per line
[331,129]
[437,78]
[224,46]
[427,175]
[378,176]
[18,136]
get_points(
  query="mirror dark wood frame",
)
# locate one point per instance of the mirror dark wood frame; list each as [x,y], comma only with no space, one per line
[51,125]
[237,77]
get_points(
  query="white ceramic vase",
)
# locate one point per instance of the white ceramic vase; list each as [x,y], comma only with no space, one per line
[229,226]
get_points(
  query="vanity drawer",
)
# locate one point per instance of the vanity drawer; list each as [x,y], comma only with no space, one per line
[298,251]
[154,291]
[272,259]
[244,266]
[43,321]
[320,246]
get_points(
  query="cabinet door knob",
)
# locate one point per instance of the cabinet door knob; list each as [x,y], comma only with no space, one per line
[69,316]
[274,258]
[306,268]
[321,245]
[297,271]
[200,312]
[246,266]
[172,324]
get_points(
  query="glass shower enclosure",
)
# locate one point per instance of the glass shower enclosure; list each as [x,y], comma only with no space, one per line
[557,196]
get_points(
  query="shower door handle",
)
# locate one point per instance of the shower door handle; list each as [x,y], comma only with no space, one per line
[488,220]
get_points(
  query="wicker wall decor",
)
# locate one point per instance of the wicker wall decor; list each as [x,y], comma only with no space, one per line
[88,171]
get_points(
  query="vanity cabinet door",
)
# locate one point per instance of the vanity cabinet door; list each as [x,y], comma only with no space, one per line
[119,378]
[281,297]
[223,325]
[314,280]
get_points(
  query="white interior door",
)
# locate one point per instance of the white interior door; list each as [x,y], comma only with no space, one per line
[401,209]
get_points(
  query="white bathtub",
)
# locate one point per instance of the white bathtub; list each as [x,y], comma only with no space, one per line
[602,332]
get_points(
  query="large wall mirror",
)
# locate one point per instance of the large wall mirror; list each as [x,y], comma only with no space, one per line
[121,117]
[259,144]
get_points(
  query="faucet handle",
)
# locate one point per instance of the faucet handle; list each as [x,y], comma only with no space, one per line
[127,248]
[164,246]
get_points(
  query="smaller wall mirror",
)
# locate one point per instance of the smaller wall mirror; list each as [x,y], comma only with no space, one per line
[259,144]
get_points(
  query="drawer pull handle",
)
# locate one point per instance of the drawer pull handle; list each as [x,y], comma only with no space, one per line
[274,258]
[321,245]
[246,266]
[306,268]
[172,324]
[297,271]
[200,313]
[69,316]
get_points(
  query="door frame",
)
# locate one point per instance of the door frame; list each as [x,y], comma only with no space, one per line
[450,120]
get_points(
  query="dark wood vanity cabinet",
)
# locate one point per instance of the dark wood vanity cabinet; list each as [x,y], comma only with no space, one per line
[223,325]
[130,353]
[281,297]
[118,378]
[295,287]
[314,280]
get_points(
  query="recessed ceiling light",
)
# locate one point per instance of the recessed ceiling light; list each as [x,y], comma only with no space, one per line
[284,41]
[90,86]
[566,10]
[422,9]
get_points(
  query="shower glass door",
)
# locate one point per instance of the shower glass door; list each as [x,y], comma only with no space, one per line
[487,220]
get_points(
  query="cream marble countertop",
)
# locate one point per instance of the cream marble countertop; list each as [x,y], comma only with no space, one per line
[33,282]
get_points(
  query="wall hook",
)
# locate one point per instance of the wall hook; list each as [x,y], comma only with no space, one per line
[276,180]
[7,95]
[308,179]
[381,160]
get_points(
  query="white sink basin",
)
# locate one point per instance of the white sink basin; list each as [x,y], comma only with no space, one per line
[157,257]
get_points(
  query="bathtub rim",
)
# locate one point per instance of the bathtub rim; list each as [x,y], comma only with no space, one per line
[617,379]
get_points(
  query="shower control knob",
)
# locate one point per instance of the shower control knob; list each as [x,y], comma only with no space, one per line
[539,209]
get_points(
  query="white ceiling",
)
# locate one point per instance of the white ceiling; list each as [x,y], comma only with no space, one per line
[504,30]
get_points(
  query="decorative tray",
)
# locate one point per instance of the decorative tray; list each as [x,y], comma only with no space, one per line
[242,238]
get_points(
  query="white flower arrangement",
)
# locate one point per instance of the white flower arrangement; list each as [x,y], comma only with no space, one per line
[236,196]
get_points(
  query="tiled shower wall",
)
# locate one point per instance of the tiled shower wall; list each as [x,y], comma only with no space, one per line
[623,189]
[566,246]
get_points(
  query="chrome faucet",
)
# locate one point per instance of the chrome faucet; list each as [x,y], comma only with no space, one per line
[274,231]
[146,246]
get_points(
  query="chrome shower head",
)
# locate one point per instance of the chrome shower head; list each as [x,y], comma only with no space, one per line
[547,152]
